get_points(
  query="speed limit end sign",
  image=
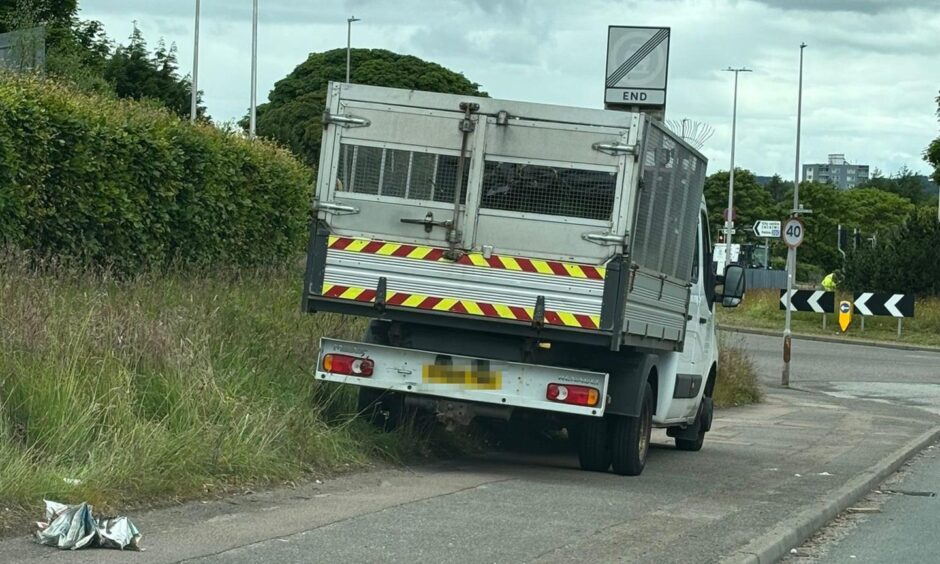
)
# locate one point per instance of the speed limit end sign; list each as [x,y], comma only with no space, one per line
[793,231]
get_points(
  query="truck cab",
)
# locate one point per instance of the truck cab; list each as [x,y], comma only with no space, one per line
[517,258]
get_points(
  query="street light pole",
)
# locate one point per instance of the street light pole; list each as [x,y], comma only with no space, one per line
[791,253]
[729,218]
[195,85]
[253,114]
[349,22]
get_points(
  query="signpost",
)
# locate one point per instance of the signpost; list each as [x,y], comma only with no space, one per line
[767,229]
[815,301]
[637,68]
[889,305]
[793,232]
[845,315]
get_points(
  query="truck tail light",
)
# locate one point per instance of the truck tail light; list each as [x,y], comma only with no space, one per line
[575,395]
[348,365]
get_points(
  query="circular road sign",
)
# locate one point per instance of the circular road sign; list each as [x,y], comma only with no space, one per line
[793,231]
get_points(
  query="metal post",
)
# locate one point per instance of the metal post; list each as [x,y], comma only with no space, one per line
[766,253]
[791,254]
[863,324]
[824,321]
[193,107]
[349,22]
[729,220]
[253,116]
[900,319]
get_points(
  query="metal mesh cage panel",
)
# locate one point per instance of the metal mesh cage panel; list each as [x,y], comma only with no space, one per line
[548,190]
[398,173]
[673,178]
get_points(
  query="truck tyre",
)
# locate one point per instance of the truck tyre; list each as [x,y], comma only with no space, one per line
[593,445]
[630,438]
[702,423]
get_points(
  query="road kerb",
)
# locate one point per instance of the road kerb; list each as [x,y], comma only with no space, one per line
[825,339]
[790,533]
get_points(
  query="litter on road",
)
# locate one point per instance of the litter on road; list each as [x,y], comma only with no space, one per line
[70,527]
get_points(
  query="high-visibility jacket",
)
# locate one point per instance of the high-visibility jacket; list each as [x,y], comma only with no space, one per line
[829,282]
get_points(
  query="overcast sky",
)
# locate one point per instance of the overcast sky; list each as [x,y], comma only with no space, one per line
[872,67]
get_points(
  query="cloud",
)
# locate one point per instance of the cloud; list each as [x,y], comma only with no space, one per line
[869,86]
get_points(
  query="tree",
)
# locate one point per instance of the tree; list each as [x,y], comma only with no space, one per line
[134,73]
[294,109]
[932,153]
[17,14]
[778,188]
[751,201]
[905,183]
[905,260]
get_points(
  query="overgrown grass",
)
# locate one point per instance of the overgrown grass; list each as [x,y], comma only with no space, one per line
[168,386]
[737,376]
[761,309]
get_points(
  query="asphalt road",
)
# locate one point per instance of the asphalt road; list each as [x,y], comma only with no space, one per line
[850,371]
[761,465]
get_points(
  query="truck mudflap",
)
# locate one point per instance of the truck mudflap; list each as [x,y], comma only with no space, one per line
[463,378]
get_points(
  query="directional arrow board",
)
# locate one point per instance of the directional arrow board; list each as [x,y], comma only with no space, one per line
[809,300]
[891,305]
[767,228]
[637,65]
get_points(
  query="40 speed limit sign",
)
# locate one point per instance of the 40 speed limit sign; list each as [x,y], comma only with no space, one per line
[793,231]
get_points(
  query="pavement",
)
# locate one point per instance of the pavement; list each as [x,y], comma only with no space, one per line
[769,476]
[895,523]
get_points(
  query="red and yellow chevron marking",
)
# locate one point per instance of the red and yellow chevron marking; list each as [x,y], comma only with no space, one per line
[520,264]
[470,307]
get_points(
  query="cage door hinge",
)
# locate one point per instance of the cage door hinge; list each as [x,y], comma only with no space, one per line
[334,208]
[344,120]
[616,148]
[605,238]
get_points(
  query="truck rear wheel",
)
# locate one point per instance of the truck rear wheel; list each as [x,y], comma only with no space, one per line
[630,438]
[593,444]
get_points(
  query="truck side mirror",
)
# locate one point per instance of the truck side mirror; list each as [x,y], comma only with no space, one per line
[732,286]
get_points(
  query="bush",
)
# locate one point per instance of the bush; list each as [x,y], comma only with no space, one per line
[129,185]
[737,382]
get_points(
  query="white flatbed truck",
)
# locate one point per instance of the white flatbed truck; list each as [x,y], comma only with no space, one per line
[518,258]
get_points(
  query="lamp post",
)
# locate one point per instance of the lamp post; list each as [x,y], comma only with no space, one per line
[349,22]
[253,114]
[791,253]
[195,85]
[729,217]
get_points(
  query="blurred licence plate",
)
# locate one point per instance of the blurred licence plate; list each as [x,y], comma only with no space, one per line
[462,376]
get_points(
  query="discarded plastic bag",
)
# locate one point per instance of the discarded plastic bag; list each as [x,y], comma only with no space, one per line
[73,526]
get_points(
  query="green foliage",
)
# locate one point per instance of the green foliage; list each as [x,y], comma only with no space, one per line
[752,202]
[904,183]
[293,114]
[17,14]
[169,384]
[932,153]
[738,382]
[133,73]
[133,187]
[905,260]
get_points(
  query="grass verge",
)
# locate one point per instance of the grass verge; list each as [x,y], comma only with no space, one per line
[122,393]
[737,382]
[761,310]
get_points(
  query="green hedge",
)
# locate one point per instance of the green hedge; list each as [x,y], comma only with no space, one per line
[130,186]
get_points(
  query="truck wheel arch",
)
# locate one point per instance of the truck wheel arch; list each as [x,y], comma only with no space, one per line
[626,385]
[712,380]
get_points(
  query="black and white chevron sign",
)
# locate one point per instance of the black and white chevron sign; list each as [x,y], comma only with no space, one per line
[893,305]
[809,300]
